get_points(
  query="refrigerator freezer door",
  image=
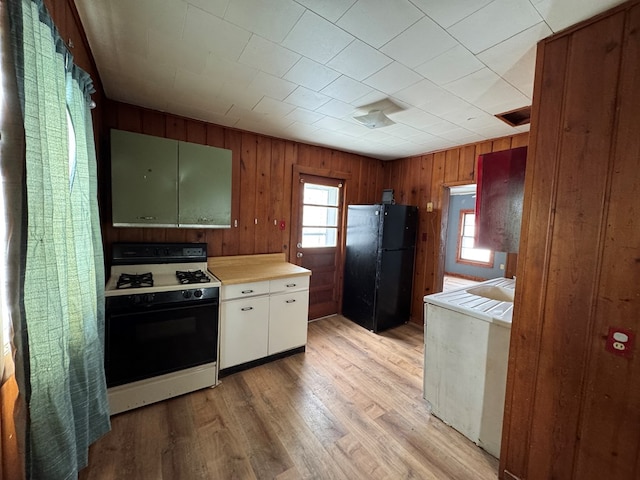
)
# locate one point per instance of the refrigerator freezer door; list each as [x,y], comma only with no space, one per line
[359,294]
[399,226]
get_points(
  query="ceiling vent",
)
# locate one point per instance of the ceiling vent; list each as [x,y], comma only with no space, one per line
[516,118]
[374,115]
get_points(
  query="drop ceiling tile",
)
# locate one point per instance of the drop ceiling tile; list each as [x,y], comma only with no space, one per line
[331,123]
[494,23]
[448,12]
[393,78]
[121,33]
[415,117]
[456,134]
[271,19]
[302,115]
[316,38]
[166,51]
[307,98]
[195,87]
[560,15]
[332,10]
[346,89]
[222,38]
[419,92]
[311,74]
[273,107]
[245,98]
[488,91]
[377,21]
[370,98]
[420,42]
[216,7]
[136,66]
[164,15]
[358,60]
[515,58]
[441,128]
[403,131]
[271,86]
[503,56]
[337,109]
[237,75]
[449,66]
[268,56]
[443,104]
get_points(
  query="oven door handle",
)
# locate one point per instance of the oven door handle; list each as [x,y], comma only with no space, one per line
[246,309]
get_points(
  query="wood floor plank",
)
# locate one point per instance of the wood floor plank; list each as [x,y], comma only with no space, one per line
[350,407]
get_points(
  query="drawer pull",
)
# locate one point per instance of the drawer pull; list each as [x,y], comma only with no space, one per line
[291,301]
[146,218]
[246,309]
[290,285]
[244,292]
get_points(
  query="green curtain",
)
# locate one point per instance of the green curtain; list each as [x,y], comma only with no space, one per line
[62,342]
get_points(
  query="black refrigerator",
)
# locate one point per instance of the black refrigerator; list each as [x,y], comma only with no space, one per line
[378,273]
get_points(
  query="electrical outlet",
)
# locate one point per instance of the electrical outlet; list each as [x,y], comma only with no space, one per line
[502,266]
[430,207]
[620,341]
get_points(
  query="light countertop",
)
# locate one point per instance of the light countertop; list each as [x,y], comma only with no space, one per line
[236,269]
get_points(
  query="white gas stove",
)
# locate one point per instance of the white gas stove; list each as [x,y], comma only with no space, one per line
[161,326]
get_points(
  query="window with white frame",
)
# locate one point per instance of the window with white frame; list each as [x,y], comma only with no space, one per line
[467,252]
[320,216]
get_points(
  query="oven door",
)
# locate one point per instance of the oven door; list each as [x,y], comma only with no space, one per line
[148,342]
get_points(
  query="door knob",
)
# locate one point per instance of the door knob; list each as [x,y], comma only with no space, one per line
[299,254]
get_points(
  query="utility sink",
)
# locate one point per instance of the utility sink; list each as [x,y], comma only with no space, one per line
[492,292]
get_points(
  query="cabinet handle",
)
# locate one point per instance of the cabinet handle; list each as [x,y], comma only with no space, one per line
[244,292]
[203,219]
[291,301]
[246,309]
[146,218]
[289,285]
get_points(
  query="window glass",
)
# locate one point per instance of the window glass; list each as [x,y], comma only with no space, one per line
[467,251]
[320,216]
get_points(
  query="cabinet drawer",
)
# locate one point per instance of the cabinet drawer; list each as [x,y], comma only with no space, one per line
[289,284]
[243,290]
[244,330]
[288,321]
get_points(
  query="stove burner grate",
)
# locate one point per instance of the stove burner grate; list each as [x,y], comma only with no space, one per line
[197,276]
[131,280]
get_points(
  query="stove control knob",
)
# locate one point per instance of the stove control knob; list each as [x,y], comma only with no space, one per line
[148,297]
[186,294]
[136,299]
[197,293]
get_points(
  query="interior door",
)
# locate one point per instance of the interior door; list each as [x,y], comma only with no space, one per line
[318,239]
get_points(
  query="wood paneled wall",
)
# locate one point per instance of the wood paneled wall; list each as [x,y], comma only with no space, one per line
[262,181]
[423,179]
[573,408]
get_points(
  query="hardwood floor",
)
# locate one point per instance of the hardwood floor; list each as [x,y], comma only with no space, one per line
[350,407]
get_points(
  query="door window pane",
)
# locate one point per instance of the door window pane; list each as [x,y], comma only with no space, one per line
[320,216]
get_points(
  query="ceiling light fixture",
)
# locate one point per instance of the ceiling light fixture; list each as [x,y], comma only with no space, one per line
[374,119]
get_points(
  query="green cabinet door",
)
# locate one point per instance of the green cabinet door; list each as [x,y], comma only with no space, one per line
[204,195]
[144,180]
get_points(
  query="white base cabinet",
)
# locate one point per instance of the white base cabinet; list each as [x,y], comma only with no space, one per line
[244,330]
[259,319]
